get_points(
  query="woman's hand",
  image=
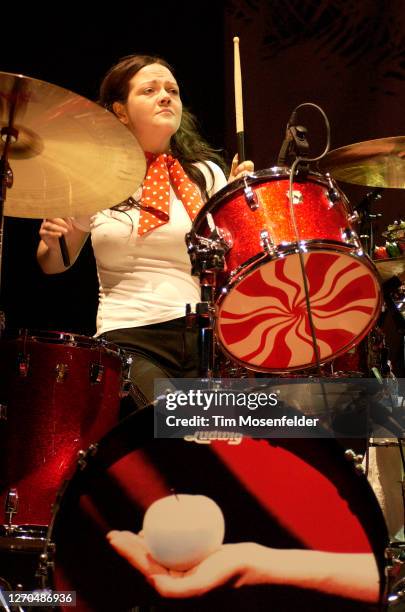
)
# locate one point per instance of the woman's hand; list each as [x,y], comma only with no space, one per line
[53,229]
[229,563]
[353,575]
[49,254]
[240,170]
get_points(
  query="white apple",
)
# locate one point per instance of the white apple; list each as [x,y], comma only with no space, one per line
[182,530]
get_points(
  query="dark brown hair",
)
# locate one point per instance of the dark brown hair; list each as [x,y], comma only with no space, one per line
[186,144]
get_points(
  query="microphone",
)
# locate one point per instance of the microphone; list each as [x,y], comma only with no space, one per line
[285,147]
[294,134]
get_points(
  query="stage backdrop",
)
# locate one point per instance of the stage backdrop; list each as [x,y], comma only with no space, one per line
[346,56]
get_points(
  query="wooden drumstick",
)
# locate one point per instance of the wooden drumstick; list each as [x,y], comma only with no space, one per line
[238,102]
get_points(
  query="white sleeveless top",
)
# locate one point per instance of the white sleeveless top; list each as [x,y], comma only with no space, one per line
[144,279]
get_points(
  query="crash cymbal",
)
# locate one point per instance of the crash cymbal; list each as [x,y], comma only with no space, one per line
[387,268]
[374,163]
[72,157]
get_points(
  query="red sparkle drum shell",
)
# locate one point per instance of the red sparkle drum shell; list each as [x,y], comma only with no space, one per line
[62,392]
[360,360]
[297,493]
[262,316]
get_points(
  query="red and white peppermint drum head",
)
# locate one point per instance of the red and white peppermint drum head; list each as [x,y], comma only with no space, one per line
[263,322]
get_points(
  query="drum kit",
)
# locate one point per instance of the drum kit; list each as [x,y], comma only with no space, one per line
[65,156]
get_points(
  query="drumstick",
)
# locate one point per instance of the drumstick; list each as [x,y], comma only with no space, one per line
[238,102]
[64,251]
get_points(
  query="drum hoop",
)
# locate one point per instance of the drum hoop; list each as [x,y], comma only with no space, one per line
[24,538]
[291,249]
[64,338]
[273,173]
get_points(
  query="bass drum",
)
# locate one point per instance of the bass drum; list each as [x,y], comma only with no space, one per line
[286,494]
[262,319]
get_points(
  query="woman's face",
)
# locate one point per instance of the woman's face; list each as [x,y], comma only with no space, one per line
[153,108]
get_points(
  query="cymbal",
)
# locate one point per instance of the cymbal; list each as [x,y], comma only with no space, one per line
[395,232]
[72,157]
[374,163]
[390,267]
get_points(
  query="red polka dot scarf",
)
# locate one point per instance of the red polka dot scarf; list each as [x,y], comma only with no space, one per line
[155,201]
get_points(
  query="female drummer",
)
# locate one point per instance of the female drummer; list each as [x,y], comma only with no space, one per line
[142,261]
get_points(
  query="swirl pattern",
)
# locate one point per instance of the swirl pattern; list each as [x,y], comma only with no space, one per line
[263,321]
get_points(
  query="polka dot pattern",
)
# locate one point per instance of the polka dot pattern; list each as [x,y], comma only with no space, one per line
[162,170]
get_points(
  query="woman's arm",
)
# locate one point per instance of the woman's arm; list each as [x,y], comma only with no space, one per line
[350,575]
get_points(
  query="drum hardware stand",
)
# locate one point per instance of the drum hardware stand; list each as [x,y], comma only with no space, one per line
[207,257]
[300,250]
[9,135]
[357,460]
[389,288]
[84,455]
[295,149]
[367,218]
[11,509]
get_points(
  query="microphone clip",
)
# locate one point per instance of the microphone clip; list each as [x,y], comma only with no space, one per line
[299,137]
[295,143]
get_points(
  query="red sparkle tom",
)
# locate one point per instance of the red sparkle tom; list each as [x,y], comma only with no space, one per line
[59,392]
[262,315]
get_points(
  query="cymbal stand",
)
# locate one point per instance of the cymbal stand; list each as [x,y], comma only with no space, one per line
[391,288]
[9,135]
[17,100]
[367,219]
[207,256]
